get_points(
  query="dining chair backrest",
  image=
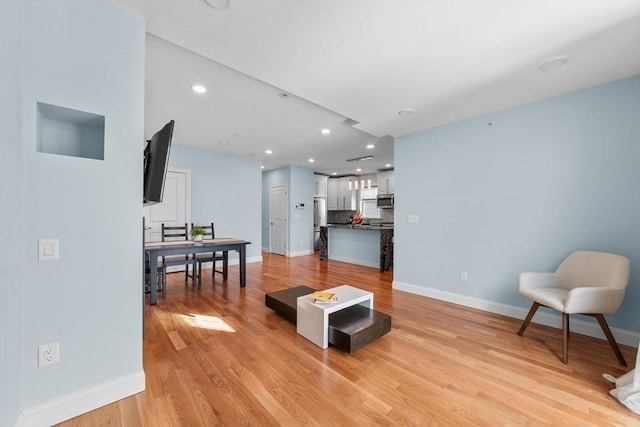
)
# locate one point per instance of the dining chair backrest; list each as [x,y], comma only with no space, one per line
[209,231]
[178,232]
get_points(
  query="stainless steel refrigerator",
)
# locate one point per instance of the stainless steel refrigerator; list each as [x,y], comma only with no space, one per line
[319,219]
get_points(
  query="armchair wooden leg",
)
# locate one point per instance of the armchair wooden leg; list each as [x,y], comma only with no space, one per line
[609,335]
[565,338]
[527,320]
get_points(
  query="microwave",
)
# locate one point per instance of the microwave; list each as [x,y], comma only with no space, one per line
[385,201]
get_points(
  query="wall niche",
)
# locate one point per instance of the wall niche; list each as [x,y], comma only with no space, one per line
[69,132]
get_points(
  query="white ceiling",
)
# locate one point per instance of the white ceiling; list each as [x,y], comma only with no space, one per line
[362,61]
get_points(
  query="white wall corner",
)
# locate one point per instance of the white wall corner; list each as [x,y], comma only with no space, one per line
[591,329]
[83,401]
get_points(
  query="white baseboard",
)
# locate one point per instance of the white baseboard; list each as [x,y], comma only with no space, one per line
[579,326]
[78,403]
[234,261]
[300,253]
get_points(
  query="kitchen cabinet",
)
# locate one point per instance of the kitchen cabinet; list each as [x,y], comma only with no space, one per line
[332,194]
[369,180]
[339,196]
[385,182]
[320,185]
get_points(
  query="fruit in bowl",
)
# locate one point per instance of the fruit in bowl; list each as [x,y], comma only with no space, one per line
[357,219]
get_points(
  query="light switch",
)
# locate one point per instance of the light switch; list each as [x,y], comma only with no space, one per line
[48,250]
[412,219]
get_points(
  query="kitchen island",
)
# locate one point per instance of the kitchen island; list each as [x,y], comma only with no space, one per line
[368,245]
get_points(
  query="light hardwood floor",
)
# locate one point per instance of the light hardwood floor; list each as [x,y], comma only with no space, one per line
[217,356]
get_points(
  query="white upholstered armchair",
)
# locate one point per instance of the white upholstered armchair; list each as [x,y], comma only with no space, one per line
[591,283]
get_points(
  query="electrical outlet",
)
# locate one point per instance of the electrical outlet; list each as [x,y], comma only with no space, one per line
[463,276]
[48,354]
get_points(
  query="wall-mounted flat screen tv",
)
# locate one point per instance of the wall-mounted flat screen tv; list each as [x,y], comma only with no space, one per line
[156,161]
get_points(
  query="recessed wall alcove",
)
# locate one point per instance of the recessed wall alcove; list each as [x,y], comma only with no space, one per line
[69,132]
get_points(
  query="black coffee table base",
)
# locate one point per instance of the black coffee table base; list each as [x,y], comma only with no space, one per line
[349,329]
[284,302]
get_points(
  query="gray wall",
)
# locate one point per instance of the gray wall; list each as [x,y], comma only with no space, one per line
[87,56]
[299,181]
[544,180]
[225,189]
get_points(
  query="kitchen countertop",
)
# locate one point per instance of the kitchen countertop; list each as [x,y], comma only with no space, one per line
[363,227]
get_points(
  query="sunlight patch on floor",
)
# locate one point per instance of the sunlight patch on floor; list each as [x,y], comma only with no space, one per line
[206,322]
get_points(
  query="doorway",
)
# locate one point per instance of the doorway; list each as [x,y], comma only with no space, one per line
[174,210]
[278,219]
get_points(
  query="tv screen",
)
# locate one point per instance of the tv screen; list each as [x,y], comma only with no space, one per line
[156,160]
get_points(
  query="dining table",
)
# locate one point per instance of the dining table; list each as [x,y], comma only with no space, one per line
[154,250]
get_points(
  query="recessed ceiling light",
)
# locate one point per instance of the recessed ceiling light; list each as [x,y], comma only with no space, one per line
[326,131]
[370,146]
[223,142]
[198,89]
[335,173]
[262,167]
[268,151]
[358,170]
[553,63]
[312,160]
[388,165]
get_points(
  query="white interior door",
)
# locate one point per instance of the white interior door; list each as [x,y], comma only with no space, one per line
[175,208]
[278,213]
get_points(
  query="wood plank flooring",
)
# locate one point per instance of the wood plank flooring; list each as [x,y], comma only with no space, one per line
[217,356]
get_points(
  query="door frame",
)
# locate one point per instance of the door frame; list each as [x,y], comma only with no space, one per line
[187,208]
[187,197]
[286,210]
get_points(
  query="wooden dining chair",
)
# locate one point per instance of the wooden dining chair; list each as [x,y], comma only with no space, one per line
[173,233]
[209,233]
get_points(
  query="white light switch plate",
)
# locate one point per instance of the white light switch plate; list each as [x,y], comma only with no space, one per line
[48,249]
[412,219]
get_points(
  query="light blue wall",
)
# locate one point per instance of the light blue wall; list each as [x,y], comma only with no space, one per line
[87,56]
[356,246]
[225,189]
[299,182]
[12,200]
[301,219]
[544,180]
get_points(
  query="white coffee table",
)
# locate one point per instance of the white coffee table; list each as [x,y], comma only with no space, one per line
[312,320]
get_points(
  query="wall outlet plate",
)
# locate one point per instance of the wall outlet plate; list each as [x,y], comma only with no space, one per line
[48,354]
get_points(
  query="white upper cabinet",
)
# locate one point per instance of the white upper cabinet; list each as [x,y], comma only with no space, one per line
[385,182]
[340,195]
[332,194]
[320,185]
